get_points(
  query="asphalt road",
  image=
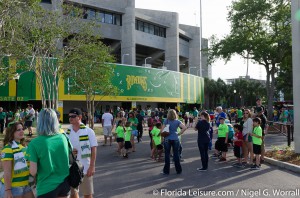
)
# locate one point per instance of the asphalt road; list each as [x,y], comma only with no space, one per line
[138,176]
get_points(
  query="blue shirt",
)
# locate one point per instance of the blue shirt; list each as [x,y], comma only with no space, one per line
[222,114]
[174,124]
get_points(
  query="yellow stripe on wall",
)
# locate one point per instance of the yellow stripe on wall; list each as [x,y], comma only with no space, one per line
[37,84]
[12,83]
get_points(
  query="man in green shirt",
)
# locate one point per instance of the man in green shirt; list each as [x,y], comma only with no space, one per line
[2,120]
[239,115]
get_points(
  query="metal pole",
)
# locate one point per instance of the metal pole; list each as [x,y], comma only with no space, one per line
[200,38]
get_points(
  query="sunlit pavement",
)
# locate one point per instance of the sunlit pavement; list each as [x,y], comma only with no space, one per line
[139,176]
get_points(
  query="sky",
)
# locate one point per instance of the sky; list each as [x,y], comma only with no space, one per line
[214,22]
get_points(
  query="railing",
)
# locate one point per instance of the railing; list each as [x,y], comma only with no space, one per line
[286,129]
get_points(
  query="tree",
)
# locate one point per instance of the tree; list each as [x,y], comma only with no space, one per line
[260,31]
[90,70]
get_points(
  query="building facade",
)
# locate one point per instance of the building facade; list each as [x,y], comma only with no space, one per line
[145,37]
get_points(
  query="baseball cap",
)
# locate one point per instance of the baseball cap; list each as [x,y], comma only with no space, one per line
[221,118]
[76,111]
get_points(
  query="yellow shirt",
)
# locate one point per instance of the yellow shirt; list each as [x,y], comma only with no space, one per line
[7,154]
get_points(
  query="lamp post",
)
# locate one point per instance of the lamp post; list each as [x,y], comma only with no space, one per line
[234,91]
[16,78]
[191,68]
[146,60]
[123,56]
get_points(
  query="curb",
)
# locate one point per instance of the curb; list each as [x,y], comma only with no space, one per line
[284,165]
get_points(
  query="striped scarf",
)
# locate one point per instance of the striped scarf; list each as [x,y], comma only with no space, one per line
[20,165]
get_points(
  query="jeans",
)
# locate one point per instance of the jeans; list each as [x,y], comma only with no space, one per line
[203,148]
[16,191]
[175,145]
[140,131]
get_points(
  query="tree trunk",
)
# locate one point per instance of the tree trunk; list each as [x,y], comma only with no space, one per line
[270,90]
[92,113]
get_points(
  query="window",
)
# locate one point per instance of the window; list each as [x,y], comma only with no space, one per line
[100,17]
[108,18]
[150,28]
[117,19]
[47,1]
[91,14]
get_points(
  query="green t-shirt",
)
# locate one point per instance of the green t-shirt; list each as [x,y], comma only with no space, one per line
[128,133]
[133,121]
[120,132]
[2,115]
[222,130]
[195,113]
[156,135]
[257,131]
[51,153]
[239,113]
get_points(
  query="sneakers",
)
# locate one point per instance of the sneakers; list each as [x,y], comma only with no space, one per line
[222,159]
[201,169]
[163,173]
[214,156]
[255,167]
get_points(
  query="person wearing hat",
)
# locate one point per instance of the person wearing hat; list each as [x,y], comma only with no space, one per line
[84,144]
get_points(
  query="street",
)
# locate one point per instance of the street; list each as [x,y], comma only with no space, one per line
[139,176]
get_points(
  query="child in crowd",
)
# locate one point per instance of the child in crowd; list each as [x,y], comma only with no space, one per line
[157,146]
[238,143]
[120,137]
[128,137]
[230,132]
[257,141]
[221,143]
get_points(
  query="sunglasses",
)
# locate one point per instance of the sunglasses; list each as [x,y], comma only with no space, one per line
[72,116]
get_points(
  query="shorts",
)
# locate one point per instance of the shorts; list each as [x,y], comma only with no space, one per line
[16,191]
[159,147]
[134,132]
[62,190]
[86,187]
[220,145]
[249,138]
[238,151]
[28,123]
[128,145]
[256,149]
[120,139]
[107,131]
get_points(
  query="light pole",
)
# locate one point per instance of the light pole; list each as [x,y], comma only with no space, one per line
[16,78]
[200,38]
[122,61]
[146,60]
[191,68]
[234,91]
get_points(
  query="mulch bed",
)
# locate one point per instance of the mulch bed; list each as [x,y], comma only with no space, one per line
[284,155]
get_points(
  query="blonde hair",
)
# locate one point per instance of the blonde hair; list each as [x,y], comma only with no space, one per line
[172,115]
[249,114]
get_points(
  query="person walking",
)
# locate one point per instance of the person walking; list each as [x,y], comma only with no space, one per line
[84,144]
[203,127]
[29,119]
[48,154]
[2,120]
[107,123]
[139,127]
[172,141]
[15,181]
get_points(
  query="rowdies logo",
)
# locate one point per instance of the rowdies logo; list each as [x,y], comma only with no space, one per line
[139,80]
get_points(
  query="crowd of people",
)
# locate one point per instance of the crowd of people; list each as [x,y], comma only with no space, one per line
[46,158]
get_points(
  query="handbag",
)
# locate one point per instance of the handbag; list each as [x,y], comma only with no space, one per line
[76,169]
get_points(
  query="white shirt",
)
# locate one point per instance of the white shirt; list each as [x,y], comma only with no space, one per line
[32,113]
[74,139]
[107,118]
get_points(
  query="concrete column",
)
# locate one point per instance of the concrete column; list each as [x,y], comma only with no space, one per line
[172,43]
[128,33]
[296,72]
[194,51]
